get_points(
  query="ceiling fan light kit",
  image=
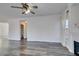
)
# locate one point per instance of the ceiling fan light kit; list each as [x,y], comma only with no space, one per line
[26,8]
[28,11]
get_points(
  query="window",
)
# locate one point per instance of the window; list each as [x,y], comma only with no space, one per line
[67,24]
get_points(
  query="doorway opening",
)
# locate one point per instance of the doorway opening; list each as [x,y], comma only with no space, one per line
[23,37]
[23,30]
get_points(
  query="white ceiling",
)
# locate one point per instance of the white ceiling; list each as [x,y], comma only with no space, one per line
[43,9]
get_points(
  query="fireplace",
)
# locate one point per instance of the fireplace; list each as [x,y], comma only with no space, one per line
[76,48]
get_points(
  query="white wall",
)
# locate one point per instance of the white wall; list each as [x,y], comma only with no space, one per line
[40,28]
[67,40]
[44,28]
[75,20]
[63,18]
[14,29]
[73,30]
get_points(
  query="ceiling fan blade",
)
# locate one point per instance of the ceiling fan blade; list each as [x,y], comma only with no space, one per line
[17,7]
[35,7]
[32,12]
[25,4]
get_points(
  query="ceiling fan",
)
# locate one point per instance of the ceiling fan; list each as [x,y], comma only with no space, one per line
[26,8]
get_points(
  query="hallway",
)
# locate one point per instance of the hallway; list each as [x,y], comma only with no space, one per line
[37,49]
